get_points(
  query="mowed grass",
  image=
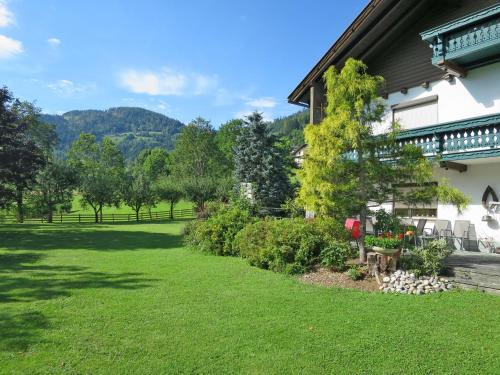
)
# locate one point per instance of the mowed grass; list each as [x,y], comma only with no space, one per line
[129,299]
[77,207]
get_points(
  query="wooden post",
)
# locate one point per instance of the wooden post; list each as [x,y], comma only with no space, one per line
[371,258]
[61,216]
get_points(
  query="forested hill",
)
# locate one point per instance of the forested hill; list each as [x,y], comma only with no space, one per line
[133,129]
[291,127]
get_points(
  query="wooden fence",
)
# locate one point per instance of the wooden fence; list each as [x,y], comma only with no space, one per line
[106,218]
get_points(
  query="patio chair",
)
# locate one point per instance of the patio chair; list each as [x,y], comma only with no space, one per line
[442,228]
[420,230]
[465,233]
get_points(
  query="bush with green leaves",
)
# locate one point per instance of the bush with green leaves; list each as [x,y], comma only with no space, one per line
[387,222]
[355,272]
[288,245]
[432,256]
[216,233]
[335,255]
[426,260]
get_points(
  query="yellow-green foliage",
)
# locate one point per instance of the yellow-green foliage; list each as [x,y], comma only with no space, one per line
[352,105]
[344,169]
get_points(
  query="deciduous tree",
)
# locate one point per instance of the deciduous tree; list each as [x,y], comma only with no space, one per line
[198,163]
[100,172]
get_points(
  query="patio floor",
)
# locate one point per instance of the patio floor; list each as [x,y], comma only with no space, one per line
[475,270]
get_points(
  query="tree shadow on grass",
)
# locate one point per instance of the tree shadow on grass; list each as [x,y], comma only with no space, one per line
[98,240]
[23,279]
[19,331]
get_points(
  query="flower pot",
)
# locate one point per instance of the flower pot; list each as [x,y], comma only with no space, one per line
[384,251]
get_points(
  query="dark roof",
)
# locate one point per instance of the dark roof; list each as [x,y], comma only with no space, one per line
[364,38]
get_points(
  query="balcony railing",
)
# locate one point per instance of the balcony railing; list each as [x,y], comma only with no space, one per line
[470,41]
[473,138]
[467,139]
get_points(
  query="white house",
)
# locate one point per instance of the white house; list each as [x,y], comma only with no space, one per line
[441,62]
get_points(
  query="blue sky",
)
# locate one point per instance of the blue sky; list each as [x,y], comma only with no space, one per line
[215,59]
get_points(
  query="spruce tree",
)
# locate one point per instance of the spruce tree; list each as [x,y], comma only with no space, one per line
[260,162]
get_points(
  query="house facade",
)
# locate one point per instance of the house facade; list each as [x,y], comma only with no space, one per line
[441,63]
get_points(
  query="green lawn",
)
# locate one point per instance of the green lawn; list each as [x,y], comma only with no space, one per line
[124,209]
[129,299]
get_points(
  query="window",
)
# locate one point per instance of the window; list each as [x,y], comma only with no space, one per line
[418,210]
[416,113]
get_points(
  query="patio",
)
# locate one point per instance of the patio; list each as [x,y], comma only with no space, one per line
[473,270]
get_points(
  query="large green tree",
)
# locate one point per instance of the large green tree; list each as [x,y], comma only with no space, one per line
[261,162]
[138,191]
[348,167]
[154,162]
[100,172]
[21,149]
[54,188]
[226,139]
[169,190]
[198,163]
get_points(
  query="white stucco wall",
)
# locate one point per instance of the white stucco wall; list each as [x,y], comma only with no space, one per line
[473,183]
[478,94]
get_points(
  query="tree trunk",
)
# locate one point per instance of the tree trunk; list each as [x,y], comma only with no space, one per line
[137,214]
[100,213]
[171,210]
[362,232]
[20,205]
[96,213]
[50,212]
[362,201]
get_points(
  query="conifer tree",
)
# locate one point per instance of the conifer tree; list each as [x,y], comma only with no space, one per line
[260,162]
[349,168]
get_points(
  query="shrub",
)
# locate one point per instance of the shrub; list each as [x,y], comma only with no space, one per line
[432,256]
[216,233]
[288,245]
[387,222]
[427,260]
[335,255]
[355,272]
[384,242]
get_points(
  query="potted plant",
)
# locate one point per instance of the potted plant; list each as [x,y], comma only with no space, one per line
[386,244]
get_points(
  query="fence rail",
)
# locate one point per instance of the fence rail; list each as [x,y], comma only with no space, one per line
[106,218]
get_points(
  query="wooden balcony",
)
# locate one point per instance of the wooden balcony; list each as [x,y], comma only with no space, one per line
[468,42]
[459,140]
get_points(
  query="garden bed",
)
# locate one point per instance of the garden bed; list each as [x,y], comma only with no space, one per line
[325,277]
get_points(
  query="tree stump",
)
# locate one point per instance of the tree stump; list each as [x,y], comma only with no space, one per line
[372,261]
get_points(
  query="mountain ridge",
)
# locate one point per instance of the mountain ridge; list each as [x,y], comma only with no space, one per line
[132,128]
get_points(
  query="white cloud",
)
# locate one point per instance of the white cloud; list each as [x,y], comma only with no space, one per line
[167,82]
[151,83]
[204,84]
[54,42]
[9,47]
[6,16]
[267,102]
[67,88]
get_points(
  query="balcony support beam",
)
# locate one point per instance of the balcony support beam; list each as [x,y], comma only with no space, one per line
[453,69]
[453,166]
